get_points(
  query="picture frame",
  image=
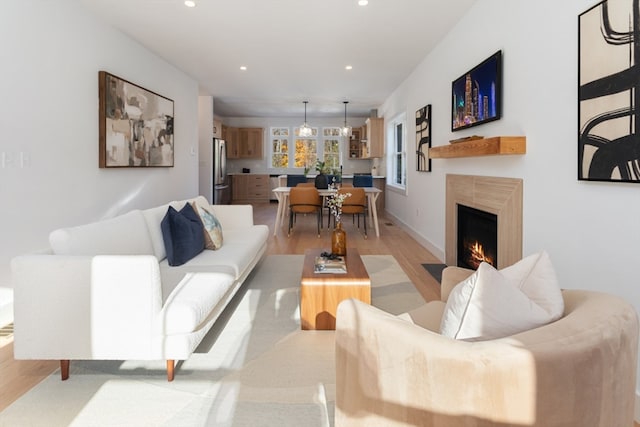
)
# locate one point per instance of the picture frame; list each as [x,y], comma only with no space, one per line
[476,96]
[423,138]
[609,93]
[136,125]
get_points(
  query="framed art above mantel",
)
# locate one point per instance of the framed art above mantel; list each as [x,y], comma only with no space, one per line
[135,125]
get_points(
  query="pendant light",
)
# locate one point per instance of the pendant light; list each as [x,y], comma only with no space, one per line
[346,130]
[305,130]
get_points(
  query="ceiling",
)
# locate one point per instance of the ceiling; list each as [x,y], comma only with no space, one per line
[294,50]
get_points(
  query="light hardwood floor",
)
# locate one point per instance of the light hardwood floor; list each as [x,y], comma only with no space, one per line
[18,376]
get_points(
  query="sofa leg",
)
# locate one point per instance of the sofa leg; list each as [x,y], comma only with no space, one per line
[170,370]
[64,369]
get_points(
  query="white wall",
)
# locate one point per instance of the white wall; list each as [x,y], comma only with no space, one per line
[205,143]
[591,230]
[52,52]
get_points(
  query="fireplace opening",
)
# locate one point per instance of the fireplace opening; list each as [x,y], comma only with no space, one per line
[477,237]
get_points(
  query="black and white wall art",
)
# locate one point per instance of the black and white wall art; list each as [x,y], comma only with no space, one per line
[423,139]
[609,92]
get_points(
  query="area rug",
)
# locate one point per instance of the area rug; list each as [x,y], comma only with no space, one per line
[435,270]
[254,368]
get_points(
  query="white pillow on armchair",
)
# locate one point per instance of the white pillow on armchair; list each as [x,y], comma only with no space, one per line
[492,304]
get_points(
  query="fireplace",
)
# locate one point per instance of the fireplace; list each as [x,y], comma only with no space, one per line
[477,237]
[501,197]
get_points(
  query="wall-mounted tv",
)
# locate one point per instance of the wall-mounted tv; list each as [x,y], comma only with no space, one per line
[477,94]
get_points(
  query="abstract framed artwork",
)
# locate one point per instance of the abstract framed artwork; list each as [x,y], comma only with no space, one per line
[135,125]
[423,139]
[609,92]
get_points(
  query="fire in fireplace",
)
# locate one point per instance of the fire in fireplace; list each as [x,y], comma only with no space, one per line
[477,237]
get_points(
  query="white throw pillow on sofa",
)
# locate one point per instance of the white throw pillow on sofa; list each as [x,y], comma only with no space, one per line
[492,304]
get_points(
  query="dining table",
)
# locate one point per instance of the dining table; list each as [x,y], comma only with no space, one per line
[282,195]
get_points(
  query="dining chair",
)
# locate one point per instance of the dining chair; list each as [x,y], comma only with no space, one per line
[363,181]
[355,204]
[304,199]
[293,180]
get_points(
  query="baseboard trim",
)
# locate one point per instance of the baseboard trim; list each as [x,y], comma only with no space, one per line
[436,251]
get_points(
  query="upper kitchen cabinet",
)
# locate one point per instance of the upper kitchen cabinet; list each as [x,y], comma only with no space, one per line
[356,143]
[251,143]
[232,136]
[374,136]
[217,129]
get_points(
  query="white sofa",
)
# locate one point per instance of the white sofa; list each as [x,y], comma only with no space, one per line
[105,291]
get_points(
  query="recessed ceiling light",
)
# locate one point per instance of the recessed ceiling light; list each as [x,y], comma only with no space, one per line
[348,67]
[190,3]
[243,68]
[363,2]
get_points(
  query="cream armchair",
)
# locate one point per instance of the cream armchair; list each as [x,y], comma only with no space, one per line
[397,370]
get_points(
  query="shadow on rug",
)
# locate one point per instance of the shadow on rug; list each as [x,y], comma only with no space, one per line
[435,270]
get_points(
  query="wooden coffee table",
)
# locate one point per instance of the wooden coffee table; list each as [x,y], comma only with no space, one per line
[320,293]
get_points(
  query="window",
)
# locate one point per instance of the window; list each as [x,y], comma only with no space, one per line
[290,150]
[279,147]
[397,152]
[331,147]
[306,152]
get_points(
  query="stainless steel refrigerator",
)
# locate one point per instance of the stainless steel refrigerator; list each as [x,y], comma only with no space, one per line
[221,182]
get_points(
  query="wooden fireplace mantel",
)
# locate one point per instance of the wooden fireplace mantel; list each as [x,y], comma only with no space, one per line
[497,145]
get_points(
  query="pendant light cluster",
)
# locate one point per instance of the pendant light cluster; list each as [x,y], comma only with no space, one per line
[305,130]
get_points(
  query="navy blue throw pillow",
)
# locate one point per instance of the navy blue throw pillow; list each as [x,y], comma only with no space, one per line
[182,234]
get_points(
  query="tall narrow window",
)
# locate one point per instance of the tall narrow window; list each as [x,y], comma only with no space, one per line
[306,149]
[331,147]
[279,147]
[397,152]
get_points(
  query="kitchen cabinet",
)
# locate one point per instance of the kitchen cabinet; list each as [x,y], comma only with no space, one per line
[251,143]
[217,129]
[374,146]
[232,136]
[251,188]
[243,143]
[356,144]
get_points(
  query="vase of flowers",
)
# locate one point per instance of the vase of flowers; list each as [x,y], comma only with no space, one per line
[338,236]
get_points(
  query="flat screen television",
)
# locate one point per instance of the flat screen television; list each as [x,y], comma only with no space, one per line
[477,94]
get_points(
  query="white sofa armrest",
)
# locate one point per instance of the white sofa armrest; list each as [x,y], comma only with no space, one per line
[84,307]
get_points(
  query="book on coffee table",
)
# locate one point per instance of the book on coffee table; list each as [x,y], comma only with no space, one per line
[326,265]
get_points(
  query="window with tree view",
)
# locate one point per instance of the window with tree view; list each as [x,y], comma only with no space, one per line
[331,147]
[279,147]
[306,149]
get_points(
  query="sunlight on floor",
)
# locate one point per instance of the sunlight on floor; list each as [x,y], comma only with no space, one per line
[6,335]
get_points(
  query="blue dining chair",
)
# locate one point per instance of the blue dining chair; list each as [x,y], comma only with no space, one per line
[363,181]
[293,180]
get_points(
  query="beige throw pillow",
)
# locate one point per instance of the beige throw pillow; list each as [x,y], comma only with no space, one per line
[211,228]
[492,304]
